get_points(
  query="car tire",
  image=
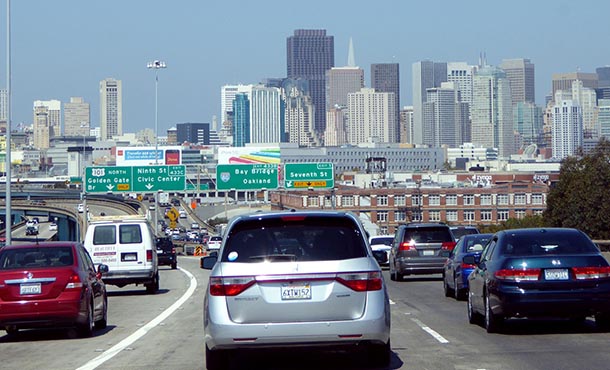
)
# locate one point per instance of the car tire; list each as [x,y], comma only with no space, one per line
[458,293]
[215,359]
[174,265]
[602,321]
[12,331]
[103,322]
[473,316]
[379,355]
[85,330]
[493,322]
[153,287]
[448,291]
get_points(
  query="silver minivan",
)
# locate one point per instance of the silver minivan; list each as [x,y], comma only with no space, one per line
[301,278]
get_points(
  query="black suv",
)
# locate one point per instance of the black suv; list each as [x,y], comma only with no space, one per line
[166,253]
[420,248]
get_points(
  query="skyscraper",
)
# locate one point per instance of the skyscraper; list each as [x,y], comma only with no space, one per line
[241,120]
[370,117]
[194,133]
[520,74]
[563,81]
[567,128]
[299,114]
[385,77]
[491,111]
[461,74]
[53,113]
[341,81]
[528,122]
[42,128]
[227,94]
[309,54]
[77,119]
[111,108]
[426,75]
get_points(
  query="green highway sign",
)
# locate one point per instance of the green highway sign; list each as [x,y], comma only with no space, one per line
[202,186]
[246,176]
[309,175]
[161,177]
[135,179]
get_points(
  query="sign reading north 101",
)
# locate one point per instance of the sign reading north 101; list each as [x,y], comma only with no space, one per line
[246,176]
[135,179]
[309,175]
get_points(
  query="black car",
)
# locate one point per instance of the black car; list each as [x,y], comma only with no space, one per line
[539,272]
[166,253]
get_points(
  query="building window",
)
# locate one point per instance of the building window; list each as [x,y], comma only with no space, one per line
[469,216]
[451,200]
[416,200]
[400,216]
[520,199]
[538,212]
[434,200]
[313,202]
[328,202]
[537,199]
[347,200]
[435,216]
[383,230]
[486,199]
[502,199]
[469,200]
[416,217]
[452,216]
[486,215]
[503,215]
[400,200]
[382,200]
[382,216]
[520,213]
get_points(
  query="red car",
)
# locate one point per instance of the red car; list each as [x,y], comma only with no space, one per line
[50,284]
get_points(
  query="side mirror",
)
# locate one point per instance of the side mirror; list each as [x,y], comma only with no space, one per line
[208,262]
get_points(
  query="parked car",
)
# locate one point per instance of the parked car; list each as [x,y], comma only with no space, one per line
[420,248]
[284,279]
[381,245]
[548,272]
[459,231]
[214,242]
[51,284]
[455,272]
[166,253]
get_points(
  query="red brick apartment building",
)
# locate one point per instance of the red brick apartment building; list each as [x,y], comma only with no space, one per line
[482,198]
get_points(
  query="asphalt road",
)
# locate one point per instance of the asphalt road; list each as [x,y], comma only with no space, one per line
[429,331]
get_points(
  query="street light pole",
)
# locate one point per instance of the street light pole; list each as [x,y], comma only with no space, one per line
[156,65]
[8,217]
[83,190]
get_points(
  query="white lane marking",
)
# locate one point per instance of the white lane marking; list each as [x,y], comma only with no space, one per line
[392,302]
[122,345]
[434,334]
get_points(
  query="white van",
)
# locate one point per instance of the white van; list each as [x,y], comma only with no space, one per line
[127,245]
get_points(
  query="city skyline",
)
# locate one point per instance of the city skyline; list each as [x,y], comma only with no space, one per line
[205,47]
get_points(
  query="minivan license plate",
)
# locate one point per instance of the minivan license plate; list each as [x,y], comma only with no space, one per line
[25,289]
[296,292]
[556,274]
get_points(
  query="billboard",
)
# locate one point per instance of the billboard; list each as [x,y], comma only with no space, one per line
[145,155]
[248,155]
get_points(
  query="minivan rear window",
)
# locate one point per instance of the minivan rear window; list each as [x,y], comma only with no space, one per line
[308,239]
[428,235]
[130,234]
[104,234]
[36,257]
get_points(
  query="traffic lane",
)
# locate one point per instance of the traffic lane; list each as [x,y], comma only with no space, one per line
[129,309]
[431,331]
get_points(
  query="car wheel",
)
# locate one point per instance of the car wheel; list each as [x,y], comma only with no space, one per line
[12,330]
[85,330]
[492,322]
[153,287]
[174,265]
[103,322]
[473,317]
[379,355]
[458,293]
[602,321]
[448,291]
[215,360]
[392,272]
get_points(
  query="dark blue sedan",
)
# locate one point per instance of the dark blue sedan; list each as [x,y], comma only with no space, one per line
[455,271]
[539,272]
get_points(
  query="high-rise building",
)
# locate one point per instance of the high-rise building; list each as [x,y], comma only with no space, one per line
[426,75]
[241,120]
[77,117]
[604,117]
[299,114]
[521,75]
[111,108]
[586,98]
[406,124]
[193,133]
[491,111]
[42,127]
[441,126]
[603,76]
[335,133]
[461,74]
[567,130]
[385,77]
[370,117]
[309,54]
[528,122]
[563,81]
[227,94]
[341,81]
[265,115]
[53,115]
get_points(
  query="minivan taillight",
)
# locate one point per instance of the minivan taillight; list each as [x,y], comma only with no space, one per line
[407,246]
[448,246]
[149,255]
[230,286]
[588,273]
[361,281]
[518,275]
[74,282]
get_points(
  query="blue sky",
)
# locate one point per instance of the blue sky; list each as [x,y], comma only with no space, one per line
[63,48]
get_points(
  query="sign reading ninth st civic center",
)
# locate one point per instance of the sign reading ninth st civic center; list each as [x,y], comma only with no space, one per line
[135,179]
[246,176]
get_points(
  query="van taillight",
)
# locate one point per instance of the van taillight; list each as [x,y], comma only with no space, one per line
[407,246]
[361,281]
[230,286]
[149,255]
[74,282]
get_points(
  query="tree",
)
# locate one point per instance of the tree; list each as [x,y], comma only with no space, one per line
[581,198]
